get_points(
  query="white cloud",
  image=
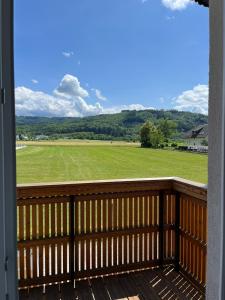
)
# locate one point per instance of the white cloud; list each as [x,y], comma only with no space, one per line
[67,100]
[99,95]
[70,87]
[195,100]
[35,81]
[68,54]
[176,4]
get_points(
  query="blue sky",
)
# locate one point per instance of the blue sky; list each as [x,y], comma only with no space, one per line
[85,57]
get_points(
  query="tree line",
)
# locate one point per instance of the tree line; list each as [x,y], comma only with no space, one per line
[127,125]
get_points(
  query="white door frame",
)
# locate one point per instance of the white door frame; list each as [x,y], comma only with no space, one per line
[216,188]
[8,245]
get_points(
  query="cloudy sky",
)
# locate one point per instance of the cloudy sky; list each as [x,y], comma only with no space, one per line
[87,57]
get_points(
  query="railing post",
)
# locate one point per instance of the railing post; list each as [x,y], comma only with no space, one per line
[177,231]
[161,227]
[72,237]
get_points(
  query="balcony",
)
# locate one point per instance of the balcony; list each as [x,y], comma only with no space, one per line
[121,239]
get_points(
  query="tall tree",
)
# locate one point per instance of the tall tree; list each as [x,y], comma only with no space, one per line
[150,136]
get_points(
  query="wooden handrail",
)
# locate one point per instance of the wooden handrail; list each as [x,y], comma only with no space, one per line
[110,186]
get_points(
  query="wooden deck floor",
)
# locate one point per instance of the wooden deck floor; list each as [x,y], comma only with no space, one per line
[143,285]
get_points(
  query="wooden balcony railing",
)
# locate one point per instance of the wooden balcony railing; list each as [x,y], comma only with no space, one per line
[78,230]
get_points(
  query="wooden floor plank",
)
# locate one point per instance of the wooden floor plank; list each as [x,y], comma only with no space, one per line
[36,293]
[185,287]
[114,288]
[52,292]
[132,291]
[99,290]
[83,290]
[164,276]
[155,284]
[160,284]
[67,292]
[144,286]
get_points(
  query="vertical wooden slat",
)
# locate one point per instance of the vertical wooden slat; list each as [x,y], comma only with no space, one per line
[46,230]
[41,261]
[110,212]
[81,216]
[99,216]
[28,225]
[72,236]
[151,210]
[120,213]
[59,228]
[53,231]
[65,218]
[130,212]
[34,252]
[53,259]
[145,208]
[141,212]
[161,228]
[114,251]
[141,247]
[177,231]
[114,209]
[104,215]
[76,231]
[40,220]
[59,257]
[109,251]
[145,248]
[88,252]
[135,211]
[125,250]
[104,252]
[47,273]
[130,247]
[21,223]
[136,224]
[28,264]
[126,212]
[82,255]
[93,249]
[88,216]
[120,250]
[22,265]
[65,255]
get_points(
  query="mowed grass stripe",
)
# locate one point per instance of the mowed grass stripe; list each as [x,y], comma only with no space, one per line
[81,162]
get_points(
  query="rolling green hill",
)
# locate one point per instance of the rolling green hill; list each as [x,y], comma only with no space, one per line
[121,126]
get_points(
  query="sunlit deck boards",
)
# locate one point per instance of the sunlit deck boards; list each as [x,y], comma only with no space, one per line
[161,283]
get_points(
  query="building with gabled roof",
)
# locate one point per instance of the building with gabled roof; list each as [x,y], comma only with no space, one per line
[197,135]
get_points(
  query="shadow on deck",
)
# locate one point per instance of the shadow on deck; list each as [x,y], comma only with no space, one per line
[159,283]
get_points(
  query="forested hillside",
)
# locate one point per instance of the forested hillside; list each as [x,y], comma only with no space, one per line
[121,126]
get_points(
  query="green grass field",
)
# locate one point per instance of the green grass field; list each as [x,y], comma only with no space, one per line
[72,162]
